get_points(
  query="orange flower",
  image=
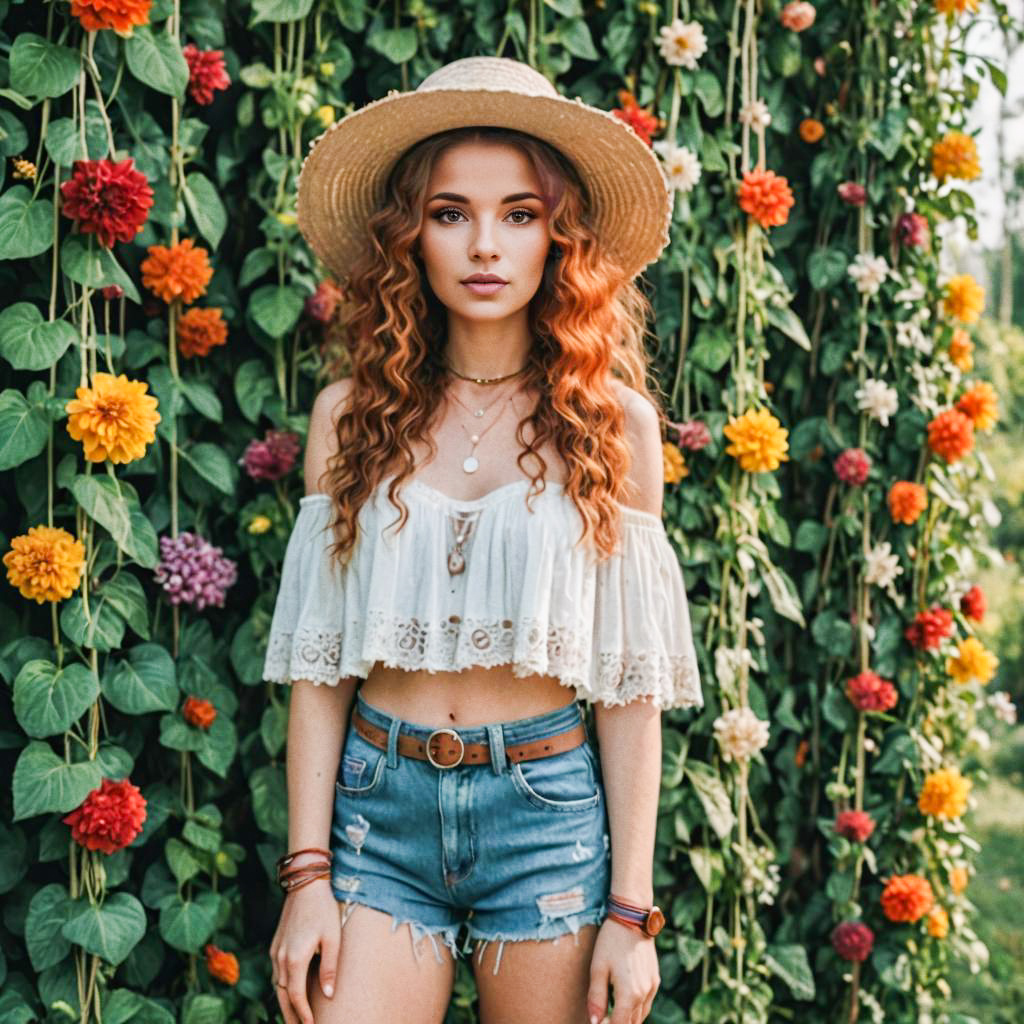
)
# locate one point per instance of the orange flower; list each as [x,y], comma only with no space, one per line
[222,965]
[957,6]
[766,196]
[181,271]
[958,879]
[907,898]
[759,441]
[907,501]
[972,661]
[960,349]
[981,404]
[114,419]
[965,298]
[674,462]
[200,329]
[956,156]
[937,923]
[811,130]
[944,794]
[800,757]
[951,435]
[45,564]
[643,122]
[199,712]
[120,15]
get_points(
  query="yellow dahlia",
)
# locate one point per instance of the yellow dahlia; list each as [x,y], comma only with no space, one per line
[759,441]
[114,419]
[45,564]
[973,661]
[944,794]
[955,155]
[981,404]
[674,462]
[179,271]
[960,350]
[965,298]
[937,923]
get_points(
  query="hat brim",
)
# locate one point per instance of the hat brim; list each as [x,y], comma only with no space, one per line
[342,179]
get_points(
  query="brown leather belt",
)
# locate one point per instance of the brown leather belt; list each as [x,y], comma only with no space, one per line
[445,748]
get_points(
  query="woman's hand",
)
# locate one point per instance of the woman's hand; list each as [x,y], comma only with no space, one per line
[627,959]
[309,924]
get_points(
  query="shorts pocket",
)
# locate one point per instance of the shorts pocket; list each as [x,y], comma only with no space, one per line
[362,766]
[563,782]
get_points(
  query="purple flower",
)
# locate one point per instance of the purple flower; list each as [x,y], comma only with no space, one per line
[193,571]
[273,457]
[693,434]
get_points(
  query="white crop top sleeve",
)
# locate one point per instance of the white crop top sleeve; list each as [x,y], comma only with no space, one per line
[614,631]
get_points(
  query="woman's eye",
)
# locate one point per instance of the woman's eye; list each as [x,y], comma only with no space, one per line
[440,215]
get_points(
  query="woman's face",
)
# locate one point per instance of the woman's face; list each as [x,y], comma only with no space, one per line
[484,215]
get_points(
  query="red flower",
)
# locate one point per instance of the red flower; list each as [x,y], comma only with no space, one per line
[199,712]
[973,603]
[766,196]
[912,229]
[852,940]
[320,306]
[929,628]
[109,818]
[853,466]
[273,457]
[644,123]
[868,691]
[206,72]
[222,965]
[951,435]
[852,193]
[109,199]
[855,825]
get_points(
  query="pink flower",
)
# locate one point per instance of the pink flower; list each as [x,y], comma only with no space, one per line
[855,825]
[193,571]
[693,434]
[852,193]
[852,466]
[320,306]
[273,457]
[206,72]
[797,15]
[852,940]
[912,229]
[819,66]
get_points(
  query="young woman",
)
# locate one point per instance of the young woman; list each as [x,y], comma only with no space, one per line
[479,558]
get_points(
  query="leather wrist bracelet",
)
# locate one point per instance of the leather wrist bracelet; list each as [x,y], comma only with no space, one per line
[648,920]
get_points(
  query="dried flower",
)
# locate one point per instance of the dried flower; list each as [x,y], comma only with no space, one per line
[199,712]
[951,435]
[273,457]
[114,419]
[907,501]
[944,794]
[878,400]
[180,271]
[797,15]
[853,940]
[206,72]
[222,965]
[956,156]
[199,330]
[45,564]
[740,733]
[981,404]
[868,691]
[109,818]
[759,441]
[907,898]
[108,199]
[929,628]
[852,466]
[965,298]
[682,43]
[193,571]
[766,196]
[120,15]
[972,662]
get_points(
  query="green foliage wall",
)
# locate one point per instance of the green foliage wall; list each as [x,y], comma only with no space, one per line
[766,339]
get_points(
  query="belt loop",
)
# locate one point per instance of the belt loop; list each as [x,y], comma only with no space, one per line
[496,741]
[396,724]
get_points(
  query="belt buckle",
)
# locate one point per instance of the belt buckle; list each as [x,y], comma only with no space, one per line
[462,748]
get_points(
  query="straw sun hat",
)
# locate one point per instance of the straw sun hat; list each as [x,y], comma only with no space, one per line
[342,179]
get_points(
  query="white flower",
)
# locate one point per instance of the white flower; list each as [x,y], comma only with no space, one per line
[978,735]
[878,400]
[755,114]
[910,335]
[1002,704]
[682,43]
[681,166]
[868,272]
[740,733]
[914,292]
[883,565]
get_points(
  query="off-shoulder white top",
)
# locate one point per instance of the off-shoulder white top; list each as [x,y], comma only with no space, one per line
[529,596]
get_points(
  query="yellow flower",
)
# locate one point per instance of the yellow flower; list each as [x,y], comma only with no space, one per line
[260,524]
[981,404]
[674,462]
[955,155]
[937,923]
[944,794]
[285,218]
[759,441]
[960,349]
[965,298]
[955,6]
[24,170]
[327,69]
[958,879]
[45,564]
[325,115]
[972,662]
[115,419]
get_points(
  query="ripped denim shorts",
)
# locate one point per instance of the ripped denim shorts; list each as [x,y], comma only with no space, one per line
[511,851]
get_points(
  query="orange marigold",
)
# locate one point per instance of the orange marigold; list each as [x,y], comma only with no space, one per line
[766,196]
[45,564]
[944,794]
[114,419]
[960,350]
[973,661]
[981,405]
[811,130]
[965,298]
[956,156]
[958,879]
[955,6]
[179,271]
[674,463]
[222,965]
[907,501]
[120,15]
[951,435]
[758,441]
[200,329]
[907,898]
[199,712]
[937,923]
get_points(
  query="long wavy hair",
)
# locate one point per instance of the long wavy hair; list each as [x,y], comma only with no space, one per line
[587,318]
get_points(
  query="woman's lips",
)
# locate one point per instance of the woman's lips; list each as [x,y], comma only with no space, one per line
[484,287]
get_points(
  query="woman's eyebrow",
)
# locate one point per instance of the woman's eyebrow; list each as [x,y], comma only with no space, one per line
[454,197]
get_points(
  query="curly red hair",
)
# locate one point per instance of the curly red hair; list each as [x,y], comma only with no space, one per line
[588,319]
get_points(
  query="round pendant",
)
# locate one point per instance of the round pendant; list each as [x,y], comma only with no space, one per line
[470,464]
[478,413]
[456,562]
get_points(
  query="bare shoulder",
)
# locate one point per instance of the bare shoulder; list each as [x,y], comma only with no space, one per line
[645,481]
[322,441]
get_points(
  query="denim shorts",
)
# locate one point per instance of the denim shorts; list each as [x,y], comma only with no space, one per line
[510,851]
